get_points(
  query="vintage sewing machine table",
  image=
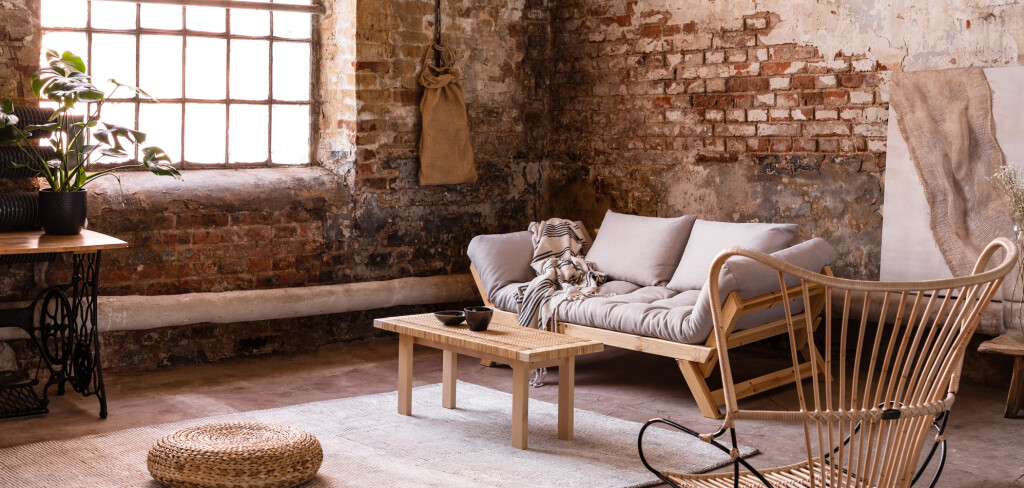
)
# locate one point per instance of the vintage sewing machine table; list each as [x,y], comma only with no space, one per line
[61,321]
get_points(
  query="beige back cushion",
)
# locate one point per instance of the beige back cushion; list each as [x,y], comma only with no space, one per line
[640,250]
[709,238]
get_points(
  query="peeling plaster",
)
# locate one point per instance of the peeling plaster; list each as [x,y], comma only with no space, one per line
[902,34]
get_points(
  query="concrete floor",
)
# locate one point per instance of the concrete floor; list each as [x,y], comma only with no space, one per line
[986,449]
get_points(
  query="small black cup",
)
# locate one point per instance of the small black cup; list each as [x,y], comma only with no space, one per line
[478,318]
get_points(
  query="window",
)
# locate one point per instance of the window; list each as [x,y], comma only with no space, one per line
[234,84]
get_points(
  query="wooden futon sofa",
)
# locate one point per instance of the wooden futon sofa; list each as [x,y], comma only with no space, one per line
[647,260]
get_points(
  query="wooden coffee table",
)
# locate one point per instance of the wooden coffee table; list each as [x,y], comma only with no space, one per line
[503,341]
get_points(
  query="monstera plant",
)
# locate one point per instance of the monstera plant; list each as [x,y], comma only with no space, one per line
[77,141]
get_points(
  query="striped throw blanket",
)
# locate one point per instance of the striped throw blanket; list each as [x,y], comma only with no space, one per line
[562,274]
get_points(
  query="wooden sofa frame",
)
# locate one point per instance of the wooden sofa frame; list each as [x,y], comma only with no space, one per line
[698,361]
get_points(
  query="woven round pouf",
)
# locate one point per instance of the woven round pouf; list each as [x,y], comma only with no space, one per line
[235,455]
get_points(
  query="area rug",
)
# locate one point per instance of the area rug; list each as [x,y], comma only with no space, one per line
[366,443]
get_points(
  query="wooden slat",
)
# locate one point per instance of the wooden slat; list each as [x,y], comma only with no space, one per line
[661,347]
[764,383]
[706,400]
[480,287]
[34,242]
[761,332]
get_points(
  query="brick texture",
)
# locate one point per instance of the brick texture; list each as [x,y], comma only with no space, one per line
[364,217]
[659,117]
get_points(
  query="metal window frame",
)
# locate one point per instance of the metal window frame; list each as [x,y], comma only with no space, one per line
[184,33]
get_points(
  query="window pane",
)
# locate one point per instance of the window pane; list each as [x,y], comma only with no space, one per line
[205,68]
[113,56]
[160,16]
[63,13]
[250,22]
[162,124]
[113,15]
[64,41]
[290,144]
[204,132]
[160,66]
[295,25]
[249,133]
[122,114]
[250,70]
[207,19]
[291,71]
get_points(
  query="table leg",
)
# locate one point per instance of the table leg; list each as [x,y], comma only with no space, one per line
[450,372]
[520,403]
[405,343]
[566,397]
[1015,399]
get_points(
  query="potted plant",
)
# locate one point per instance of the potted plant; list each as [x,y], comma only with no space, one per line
[77,141]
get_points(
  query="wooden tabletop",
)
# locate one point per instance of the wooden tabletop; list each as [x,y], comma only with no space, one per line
[1003,344]
[503,337]
[36,242]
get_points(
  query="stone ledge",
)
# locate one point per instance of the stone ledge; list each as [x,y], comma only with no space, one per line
[263,188]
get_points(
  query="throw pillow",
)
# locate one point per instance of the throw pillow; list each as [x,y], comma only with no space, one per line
[710,238]
[641,250]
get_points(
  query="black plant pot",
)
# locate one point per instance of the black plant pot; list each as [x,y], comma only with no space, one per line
[62,212]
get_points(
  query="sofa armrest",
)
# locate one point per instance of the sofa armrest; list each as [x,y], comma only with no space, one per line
[503,259]
[480,286]
[750,279]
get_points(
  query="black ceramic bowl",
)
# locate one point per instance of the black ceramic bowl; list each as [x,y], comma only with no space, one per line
[450,317]
[478,318]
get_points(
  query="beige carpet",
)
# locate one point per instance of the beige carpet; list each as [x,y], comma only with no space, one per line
[366,443]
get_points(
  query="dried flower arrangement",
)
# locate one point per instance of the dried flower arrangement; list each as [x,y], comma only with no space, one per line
[1010,182]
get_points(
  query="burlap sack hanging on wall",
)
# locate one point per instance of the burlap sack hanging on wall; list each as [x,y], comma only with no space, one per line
[446,156]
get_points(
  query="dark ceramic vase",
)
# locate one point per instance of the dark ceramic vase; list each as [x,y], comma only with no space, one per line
[62,213]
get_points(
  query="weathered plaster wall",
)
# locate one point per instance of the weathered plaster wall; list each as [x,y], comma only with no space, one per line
[754,110]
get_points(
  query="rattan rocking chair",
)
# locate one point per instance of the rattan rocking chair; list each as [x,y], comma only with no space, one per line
[889,379]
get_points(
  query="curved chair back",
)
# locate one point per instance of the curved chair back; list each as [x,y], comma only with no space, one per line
[887,363]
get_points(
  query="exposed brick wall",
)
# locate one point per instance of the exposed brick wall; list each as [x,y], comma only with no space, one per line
[660,116]
[783,106]
[363,216]
[19,48]
[499,46]
[375,222]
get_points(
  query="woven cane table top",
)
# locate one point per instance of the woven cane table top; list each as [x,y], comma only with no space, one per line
[503,337]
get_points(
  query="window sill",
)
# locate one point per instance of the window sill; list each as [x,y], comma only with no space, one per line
[251,188]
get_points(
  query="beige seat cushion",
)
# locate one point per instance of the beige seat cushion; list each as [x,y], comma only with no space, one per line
[658,311]
[652,311]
